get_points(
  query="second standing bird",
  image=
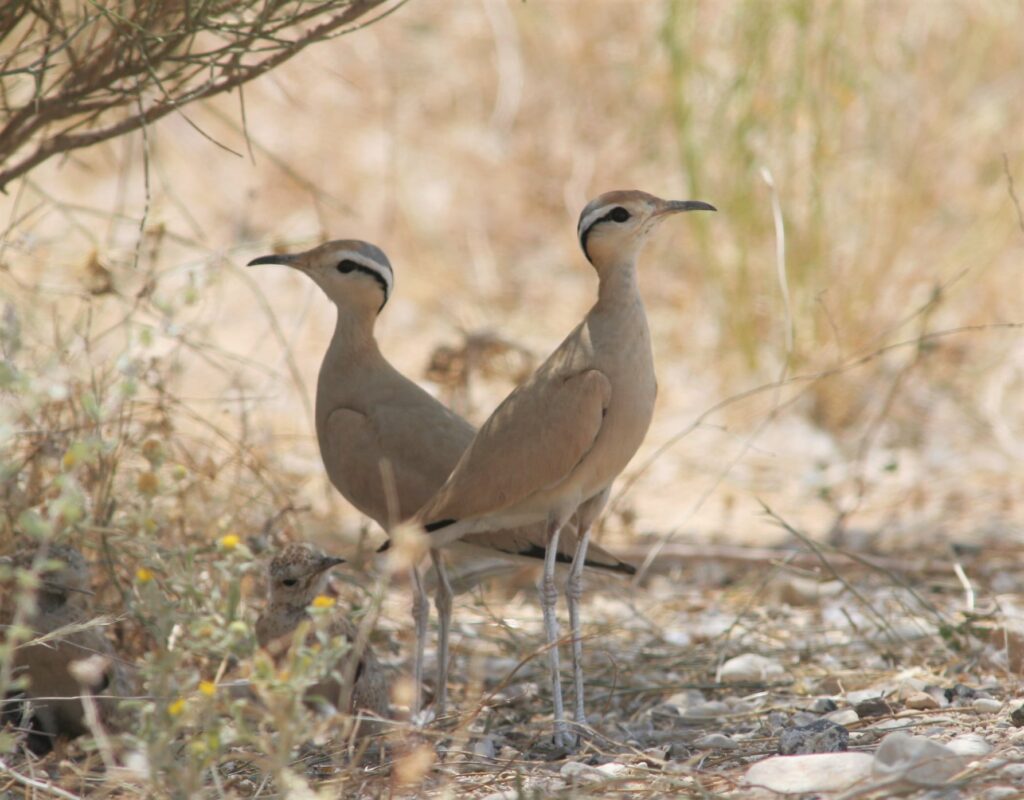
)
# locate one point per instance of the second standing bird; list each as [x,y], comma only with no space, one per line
[557,442]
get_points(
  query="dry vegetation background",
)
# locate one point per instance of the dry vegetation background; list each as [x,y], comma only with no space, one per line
[157,395]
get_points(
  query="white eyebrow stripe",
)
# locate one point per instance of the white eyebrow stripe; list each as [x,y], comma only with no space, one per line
[593,216]
[383,270]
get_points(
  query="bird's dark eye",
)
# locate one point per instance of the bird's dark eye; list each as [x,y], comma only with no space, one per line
[289,582]
[348,265]
[619,214]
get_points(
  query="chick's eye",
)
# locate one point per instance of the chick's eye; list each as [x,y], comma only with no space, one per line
[289,582]
[346,266]
[619,214]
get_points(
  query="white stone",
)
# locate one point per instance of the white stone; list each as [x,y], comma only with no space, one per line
[1000,793]
[1015,771]
[986,705]
[916,760]
[678,637]
[860,695]
[750,667]
[842,716]
[969,744]
[716,741]
[585,772]
[820,772]
[687,699]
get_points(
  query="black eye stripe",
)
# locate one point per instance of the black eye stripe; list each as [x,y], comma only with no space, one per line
[348,265]
[617,214]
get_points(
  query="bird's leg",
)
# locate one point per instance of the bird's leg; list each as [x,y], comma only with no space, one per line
[573,592]
[548,599]
[443,601]
[420,611]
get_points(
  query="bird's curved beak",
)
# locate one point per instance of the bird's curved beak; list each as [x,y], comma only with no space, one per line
[677,206]
[283,259]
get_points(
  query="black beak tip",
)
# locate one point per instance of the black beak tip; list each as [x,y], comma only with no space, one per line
[264,260]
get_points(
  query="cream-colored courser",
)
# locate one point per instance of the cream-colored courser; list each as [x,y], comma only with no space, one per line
[557,442]
[380,434]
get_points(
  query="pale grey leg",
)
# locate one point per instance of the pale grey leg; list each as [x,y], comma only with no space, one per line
[548,599]
[443,601]
[573,592]
[420,612]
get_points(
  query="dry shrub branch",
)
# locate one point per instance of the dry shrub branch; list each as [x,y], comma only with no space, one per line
[75,74]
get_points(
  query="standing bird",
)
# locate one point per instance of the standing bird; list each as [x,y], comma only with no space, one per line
[60,670]
[295,577]
[388,445]
[556,443]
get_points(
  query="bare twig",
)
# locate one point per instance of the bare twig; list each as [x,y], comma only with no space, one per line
[32,783]
[1013,192]
[86,92]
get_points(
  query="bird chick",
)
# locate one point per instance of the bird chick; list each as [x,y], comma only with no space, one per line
[62,670]
[295,577]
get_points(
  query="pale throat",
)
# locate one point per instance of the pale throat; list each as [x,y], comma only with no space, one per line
[353,330]
[618,282]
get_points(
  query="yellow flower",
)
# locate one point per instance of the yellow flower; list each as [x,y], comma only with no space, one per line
[229,542]
[209,688]
[69,460]
[143,575]
[323,601]
[175,708]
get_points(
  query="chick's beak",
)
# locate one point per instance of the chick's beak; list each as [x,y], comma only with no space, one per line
[328,562]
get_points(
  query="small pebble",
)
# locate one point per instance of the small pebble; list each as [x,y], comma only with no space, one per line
[844,716]
[824,705]
[960,694]
[821,736]
[801,718]
[986,705]
[873,707]
[584,772]
[969,744]
[1015,771]
[921,701]
[751,668]
[1000,793]
[716,741]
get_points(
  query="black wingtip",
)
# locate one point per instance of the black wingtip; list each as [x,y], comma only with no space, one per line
[430,527]
[538,552]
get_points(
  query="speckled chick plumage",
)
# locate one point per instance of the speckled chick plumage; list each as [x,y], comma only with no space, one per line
[296,575]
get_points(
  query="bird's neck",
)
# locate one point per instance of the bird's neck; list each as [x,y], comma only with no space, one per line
[353,336]
[618,285]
